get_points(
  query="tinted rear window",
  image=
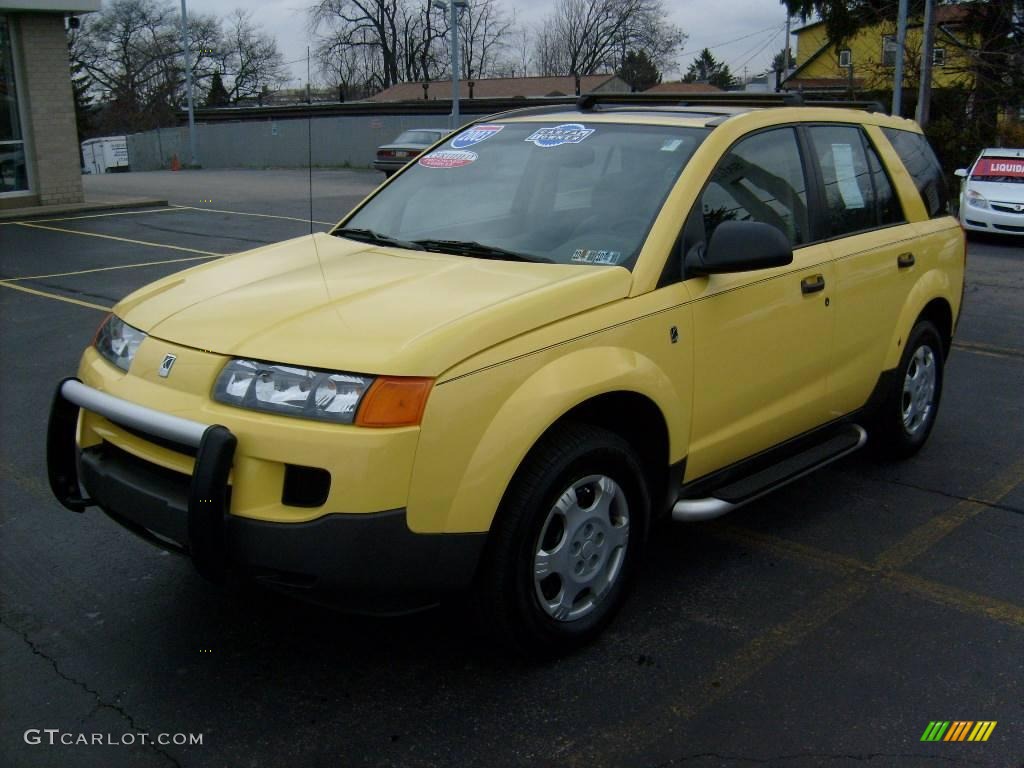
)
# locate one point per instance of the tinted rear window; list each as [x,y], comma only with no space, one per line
[924,168]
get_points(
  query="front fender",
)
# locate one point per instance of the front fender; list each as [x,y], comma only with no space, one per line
[479,428]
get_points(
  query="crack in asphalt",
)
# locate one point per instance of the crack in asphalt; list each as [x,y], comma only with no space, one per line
[100,702]
[865,756]
[958,497]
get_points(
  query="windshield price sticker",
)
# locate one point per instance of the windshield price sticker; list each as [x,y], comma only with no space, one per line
[999,166]
[475,135]
[586,256]
[448,158]
[566,133]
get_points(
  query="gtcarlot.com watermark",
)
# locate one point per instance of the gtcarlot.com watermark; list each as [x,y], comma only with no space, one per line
[55,736]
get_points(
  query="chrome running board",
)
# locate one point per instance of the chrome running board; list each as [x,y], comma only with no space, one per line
[745,490]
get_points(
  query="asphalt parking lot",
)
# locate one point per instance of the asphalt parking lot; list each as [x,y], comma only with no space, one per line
[827,624]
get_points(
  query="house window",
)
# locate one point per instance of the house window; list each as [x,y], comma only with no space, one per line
[938,57]
[13,167]
[845,58]
[889,48]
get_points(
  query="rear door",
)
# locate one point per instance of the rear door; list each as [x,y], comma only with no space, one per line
[874,249]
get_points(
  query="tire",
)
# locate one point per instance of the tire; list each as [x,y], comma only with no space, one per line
[910,407]
[577,507]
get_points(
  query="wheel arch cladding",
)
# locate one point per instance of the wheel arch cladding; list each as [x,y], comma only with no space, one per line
[940,314]
[930,298]
[640,422]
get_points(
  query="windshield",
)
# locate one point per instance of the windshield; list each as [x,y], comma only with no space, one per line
[566,193]
[1006,170]
[418,137]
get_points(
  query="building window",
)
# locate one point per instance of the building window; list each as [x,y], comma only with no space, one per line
[938,57]
[889,49]
[13,168]
[844,58]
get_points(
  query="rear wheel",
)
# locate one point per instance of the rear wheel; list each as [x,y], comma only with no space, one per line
[909,411]
[565,542]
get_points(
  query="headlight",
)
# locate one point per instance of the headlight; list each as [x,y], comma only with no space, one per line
[284,389]
[976,199]
[118,342]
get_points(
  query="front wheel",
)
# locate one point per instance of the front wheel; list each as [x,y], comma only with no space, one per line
[912,404]
[565,542]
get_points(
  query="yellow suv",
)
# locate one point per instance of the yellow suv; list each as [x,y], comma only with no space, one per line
[546,332]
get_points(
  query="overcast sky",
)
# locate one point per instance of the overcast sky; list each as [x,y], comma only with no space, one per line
[707,23]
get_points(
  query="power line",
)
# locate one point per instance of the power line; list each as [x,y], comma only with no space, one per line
[768,42]
[728,42]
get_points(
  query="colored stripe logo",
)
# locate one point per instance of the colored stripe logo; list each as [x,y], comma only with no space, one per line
[958,730]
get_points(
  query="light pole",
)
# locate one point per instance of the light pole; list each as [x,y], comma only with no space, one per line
[453,7]
[188,85]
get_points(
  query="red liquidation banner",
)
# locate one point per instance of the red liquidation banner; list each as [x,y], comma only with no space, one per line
[999,166]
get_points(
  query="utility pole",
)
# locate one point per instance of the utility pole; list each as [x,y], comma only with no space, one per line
[453,7]
[194,162]
[901,41]
[785,55]
[924,93]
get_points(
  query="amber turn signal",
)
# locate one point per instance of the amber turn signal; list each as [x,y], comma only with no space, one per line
[394,401]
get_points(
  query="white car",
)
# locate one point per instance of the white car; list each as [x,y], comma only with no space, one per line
[992,192]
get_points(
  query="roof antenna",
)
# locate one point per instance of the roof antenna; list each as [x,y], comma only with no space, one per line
[309,138]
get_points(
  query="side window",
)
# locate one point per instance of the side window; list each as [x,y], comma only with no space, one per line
[849,194]
[760,179]
[923,167]
[890,211]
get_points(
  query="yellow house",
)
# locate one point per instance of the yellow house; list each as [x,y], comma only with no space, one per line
[866,61]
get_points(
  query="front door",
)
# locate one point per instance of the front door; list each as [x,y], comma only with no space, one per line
[762,339]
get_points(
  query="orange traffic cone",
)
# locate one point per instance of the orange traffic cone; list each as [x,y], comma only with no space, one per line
[175,165]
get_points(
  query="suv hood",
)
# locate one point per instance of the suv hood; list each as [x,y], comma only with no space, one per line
[326,302]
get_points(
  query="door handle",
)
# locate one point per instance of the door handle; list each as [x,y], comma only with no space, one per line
[812,284]
[905,260]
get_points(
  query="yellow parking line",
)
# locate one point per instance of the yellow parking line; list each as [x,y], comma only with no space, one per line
[121,239]
[45,295]
[182,260]
[925,536]
[988,349]
[856,578]
[842,565]
[262,215]
[88,216]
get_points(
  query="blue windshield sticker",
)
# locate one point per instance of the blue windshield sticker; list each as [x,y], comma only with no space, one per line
[566,133]
[585,256]
[475,135]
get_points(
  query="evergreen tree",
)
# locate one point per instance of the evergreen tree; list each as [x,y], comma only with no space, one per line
[218,94]
[639,71]
[707,69]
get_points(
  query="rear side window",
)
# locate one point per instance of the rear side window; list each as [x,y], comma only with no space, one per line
[923,167]
[858,195]
[760,179]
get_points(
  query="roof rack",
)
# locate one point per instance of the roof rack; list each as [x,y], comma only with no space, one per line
[591,101]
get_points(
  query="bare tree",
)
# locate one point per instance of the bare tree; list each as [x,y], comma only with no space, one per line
[372,24]
[249,57]
[484,32]
[129,52]
[587,36]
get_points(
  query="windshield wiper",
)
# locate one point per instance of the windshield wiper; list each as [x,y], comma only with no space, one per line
[476,250]
[377,238]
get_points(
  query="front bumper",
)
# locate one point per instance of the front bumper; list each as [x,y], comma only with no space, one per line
[990,220]
[371,561]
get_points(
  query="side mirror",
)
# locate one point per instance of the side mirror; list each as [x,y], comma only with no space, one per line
[740,246]
[961,172]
